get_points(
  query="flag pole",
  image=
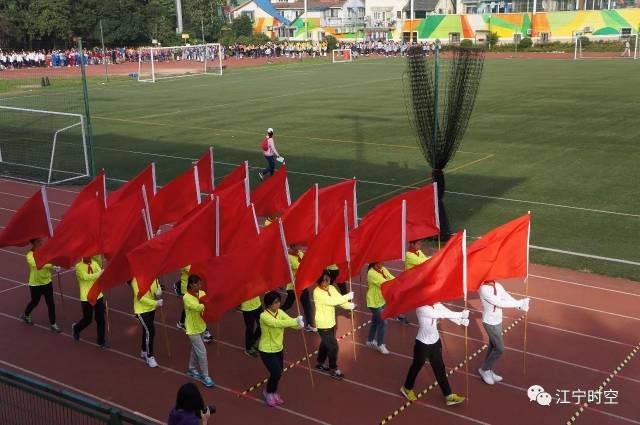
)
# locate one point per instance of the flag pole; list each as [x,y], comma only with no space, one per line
[466,328]
[526,294]
[166,334]
[347,249]
[61,294]
[106,313]
[293,281]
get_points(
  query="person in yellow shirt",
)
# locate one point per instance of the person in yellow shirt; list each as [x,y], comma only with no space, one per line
[295,258]
[195,328]
[273,322]
[376,276]
[40,285]
[145,311]
[334,272]
[87,272]
[326,298]
[181,289]
[413,257]
[251,310]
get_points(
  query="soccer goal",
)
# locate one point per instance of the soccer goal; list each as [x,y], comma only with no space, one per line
[161,63]
[628,48]
[41,146]
[341,55]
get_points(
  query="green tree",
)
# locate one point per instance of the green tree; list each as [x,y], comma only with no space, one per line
[242,25]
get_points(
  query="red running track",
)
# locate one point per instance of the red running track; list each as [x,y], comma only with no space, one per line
[580,328]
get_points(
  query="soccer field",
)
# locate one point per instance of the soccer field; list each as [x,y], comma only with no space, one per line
[557,137]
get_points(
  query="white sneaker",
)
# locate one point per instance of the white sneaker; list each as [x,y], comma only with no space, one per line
[372,344]
[383,349]
[143,355]
[310,329]
[496,378]
[151,361]
[486,376]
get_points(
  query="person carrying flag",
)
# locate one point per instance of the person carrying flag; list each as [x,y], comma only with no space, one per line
[195,328]
[180,288]
[40,285]
[326,298]
[295,258]
[87,272]
[413,257]
[145,311]
[376,276]
[494,298]
[429,346]
[273,322]
[251,310]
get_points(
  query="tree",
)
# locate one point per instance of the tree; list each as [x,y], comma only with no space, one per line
[242,25]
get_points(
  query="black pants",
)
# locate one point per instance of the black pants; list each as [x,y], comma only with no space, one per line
[36,293]
[183,316]
[328,347]
[274,363]
[271,165]
[251,327]
[148,331]
[87,317]
[305,300]
[433,352]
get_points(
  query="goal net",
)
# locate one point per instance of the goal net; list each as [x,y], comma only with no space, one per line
[161,63]
[42,146]
[591,48]
[341,55]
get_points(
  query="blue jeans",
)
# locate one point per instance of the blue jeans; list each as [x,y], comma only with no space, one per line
[271,165]
[376,330]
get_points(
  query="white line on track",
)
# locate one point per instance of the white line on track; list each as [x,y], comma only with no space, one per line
[585,285]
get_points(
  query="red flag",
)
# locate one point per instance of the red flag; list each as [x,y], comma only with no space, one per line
[118,270]
[272,196]
[146,178]
[234,278]
[192,241]
[97,187]
[77,235]
[500,254]
[205,172]
[379,237]
[176,199]
[299,220]
[332,198]
[422,211]
[238,231]
[439,279]
[239,174]
[329,247]
[117,219]
[31,221]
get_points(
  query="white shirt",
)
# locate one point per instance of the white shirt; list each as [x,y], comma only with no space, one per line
[493,301]
[271,148]
[428,320]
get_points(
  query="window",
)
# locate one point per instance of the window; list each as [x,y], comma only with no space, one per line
[399,14]
[248,13]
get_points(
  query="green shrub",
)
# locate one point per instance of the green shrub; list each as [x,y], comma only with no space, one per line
[584,41]
[493,39]
[466,43]
[332,43]
[525,43]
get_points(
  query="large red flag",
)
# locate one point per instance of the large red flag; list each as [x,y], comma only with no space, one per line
[240,231]
[191,241]
[97,187]
[299,220]
[239,174]
[31,221]
[146,178]
[205,172]
[117,219]
[331,200]
[76,236]
[329,247]
[176,199]
[422,211]
[442,278]
[379,237]
[234,278]
[272,196]
[500,254]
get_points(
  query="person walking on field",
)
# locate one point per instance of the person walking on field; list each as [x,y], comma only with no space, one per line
[39,285]
[627,49]
[145,311]
[195,328]
[376,276]
[494,298]
[270,154]
[87,272]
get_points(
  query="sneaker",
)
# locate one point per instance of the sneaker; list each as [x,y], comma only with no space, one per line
[104,346]
[180,325]
[26,319]
[337,374]
[278,399]
[409,394]
[194,374]
[207,340]
[309,328]
[372,344]
[383,349]
[260,175]
[322,368]
[208,382]
[496,378]
[251,353]
[55,328]
[453,399]
[143,355]
[486,376]
[151,361]
[269,399]
[75,334]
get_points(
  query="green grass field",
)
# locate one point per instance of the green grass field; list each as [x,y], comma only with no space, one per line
[557,137]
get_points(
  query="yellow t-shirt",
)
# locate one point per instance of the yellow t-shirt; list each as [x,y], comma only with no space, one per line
[294,260]
[272,330]
[184,278]
[412,259]
[326,301]
[148,301]
[193,322]
[375,279]
[86,279]
[38,277]
[250,305]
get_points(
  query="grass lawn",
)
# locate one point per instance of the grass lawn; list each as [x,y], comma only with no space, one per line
[557,137]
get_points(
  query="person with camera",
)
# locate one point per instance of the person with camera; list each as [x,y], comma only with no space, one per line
[190,408]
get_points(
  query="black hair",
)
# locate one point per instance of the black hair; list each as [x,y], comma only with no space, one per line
[321,278]
[370,266]
[189,399]
[271,297]
[415,241]
[194,278]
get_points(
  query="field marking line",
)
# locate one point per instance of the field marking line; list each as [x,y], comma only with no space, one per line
[15,195]
[595,257]
[168,369]
[584,285]
[12,288]
[613,415]
[79,391]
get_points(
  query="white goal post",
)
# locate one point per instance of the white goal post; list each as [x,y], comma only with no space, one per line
[628,47]
[341,55]
[161,63]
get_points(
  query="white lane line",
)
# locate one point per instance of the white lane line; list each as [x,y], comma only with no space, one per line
[622,418]
[585,285]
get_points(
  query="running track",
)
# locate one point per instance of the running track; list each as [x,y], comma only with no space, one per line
[581,327]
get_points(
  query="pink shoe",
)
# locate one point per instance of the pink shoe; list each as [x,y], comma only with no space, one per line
[278,399]
[269,399]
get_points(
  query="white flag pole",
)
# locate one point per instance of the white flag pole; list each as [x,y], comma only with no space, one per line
[104,189]
[404,228]
[217,226]
[466,328]
[526,294]
[47,213]
[196,177]
[347,249]
[213,185]
[355,204]
[153,178]
[288,192]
